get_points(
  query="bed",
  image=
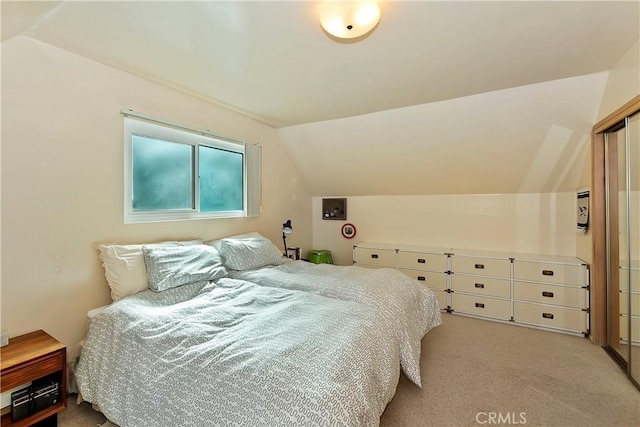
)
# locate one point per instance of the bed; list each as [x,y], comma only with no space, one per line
[230,333]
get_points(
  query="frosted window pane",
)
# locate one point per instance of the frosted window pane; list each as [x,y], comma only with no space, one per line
[162,174]
[221,180]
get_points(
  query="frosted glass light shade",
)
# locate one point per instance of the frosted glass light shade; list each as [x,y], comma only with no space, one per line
[349,19]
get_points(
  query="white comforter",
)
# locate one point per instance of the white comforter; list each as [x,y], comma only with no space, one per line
[404,305]
[235,353]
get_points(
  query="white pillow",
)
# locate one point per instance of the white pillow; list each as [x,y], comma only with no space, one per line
[218,242]
[125,269]
[249,253]
[170,267]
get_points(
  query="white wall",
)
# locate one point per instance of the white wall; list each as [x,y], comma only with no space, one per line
[623,83]
[525,139]
[524,223]
[62,181]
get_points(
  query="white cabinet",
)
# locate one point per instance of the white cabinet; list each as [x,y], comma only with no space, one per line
[542,291]
[481,284]
[551,292]
[375,256]
[627,293]
[429,266]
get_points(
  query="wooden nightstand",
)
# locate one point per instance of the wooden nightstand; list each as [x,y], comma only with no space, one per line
[30,357]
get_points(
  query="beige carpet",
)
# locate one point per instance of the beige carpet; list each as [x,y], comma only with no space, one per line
[472,368]
[479,373]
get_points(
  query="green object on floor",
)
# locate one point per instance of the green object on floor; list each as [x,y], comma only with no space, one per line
[320,256]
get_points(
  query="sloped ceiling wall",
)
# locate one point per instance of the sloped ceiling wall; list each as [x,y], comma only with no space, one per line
[526,139]
[530,139]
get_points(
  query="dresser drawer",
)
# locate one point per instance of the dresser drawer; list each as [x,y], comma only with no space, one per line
[376,257]
[624,303]
[422,261]
[550,273]
[481,266]
[484,286]
[549,294]
[635,328]
[481,306]
[569,319]
[624,279]
[432,279]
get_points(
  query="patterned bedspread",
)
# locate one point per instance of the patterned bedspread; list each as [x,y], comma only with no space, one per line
[404,305]
[235,353]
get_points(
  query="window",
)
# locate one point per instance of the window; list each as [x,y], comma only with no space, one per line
[175,173]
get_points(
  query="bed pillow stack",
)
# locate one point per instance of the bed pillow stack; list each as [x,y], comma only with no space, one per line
[249,253]
[125,269]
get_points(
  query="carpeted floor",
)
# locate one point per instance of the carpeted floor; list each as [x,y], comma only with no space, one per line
[476,372]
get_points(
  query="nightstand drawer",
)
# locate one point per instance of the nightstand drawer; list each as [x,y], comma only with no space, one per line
[481,266]
[550,272]
[422,261]
[378,257]
[570,319]
[489,307]
[432,279]
[550,294]
[485,286]
[32,370]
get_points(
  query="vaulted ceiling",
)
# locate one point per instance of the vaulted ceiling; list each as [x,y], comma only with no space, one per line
[271,60]
[443,97]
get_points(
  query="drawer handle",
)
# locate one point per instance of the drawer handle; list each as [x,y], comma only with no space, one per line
[479,305]
[547,272]
[421,278]
[374,256]
[547,315]
[479,265]
[479,285]
[547,294]
[421,261]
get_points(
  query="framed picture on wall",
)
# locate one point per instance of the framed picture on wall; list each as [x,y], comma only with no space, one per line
[583,210]
[334,209]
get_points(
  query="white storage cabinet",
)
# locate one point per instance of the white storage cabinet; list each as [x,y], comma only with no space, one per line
[542,291]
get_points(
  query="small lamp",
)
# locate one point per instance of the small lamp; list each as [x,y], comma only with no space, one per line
[287,228]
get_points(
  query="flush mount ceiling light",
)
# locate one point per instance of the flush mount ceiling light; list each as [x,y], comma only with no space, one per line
[349,19]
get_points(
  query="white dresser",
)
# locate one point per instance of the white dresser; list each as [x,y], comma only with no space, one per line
[634,294]
[552,292]
[542,291]
[481,284]
[427,265]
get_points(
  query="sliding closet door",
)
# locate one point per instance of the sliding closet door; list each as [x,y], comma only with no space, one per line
[622,148]
[616,167]
[633,214]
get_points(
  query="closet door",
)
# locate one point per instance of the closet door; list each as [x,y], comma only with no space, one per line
[633,216]
[622,143]
[617,288]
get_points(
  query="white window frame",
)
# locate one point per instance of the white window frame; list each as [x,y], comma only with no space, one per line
[153,128]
